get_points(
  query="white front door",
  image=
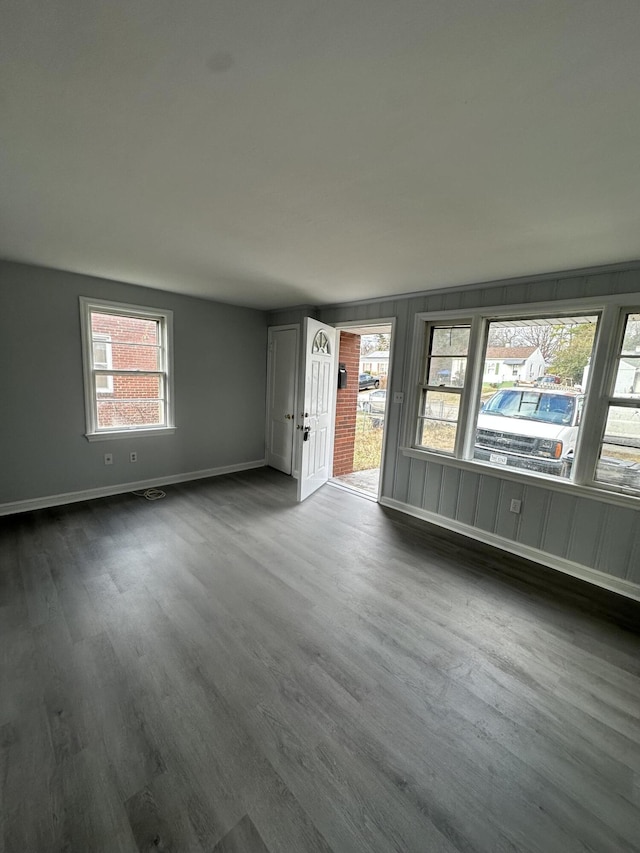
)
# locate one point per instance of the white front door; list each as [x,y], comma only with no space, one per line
[281,397]
[315,422]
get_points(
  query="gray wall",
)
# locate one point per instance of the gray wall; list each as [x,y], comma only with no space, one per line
[220,374]
[220,380]
[591,533]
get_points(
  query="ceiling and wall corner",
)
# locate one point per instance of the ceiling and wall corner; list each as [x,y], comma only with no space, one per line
[277,154]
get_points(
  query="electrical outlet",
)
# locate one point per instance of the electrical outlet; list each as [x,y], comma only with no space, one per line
[398,397]
[515,505]
[133,456]
[108,458]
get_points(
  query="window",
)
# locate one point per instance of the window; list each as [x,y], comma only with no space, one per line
[534,426]
[619,457]
[478,398]
[321,344]
[442,384]
[126,352]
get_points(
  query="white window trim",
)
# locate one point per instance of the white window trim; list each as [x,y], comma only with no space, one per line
[165,318]
[612,310]
[611,346]
[424,386]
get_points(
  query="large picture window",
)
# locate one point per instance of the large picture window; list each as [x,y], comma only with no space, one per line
[533,386]
[127,369]
[515,393]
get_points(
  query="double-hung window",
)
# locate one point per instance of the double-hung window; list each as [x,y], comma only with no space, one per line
[127,369]
[444,371]
[619,457]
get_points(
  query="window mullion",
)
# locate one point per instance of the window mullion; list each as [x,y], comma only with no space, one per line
[109,371]
[624,402]
[470,402]
[594,414]
[104,339]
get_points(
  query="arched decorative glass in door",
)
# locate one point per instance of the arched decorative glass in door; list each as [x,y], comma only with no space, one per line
[321,344]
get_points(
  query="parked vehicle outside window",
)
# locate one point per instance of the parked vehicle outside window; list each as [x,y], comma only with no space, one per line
[548,379]
[366,380]
[528,428]
[378,401]
[376,407]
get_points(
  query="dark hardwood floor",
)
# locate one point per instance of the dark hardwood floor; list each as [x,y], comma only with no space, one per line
[224,670]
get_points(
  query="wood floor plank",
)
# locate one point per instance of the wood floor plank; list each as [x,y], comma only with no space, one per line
[26,765]
[40,591]
[243,838]
[67,703]
[229,670]
[88,812]
[117,720]
[19,665]
[150,828]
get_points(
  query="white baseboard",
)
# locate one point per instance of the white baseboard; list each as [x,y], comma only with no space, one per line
[576,570]
[106,491]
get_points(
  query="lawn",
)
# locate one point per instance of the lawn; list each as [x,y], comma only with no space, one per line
[368,445]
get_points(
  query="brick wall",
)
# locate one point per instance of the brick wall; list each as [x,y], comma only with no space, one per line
[346,405]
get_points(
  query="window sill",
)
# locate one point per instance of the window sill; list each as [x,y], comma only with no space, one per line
[129,433]
[543,481]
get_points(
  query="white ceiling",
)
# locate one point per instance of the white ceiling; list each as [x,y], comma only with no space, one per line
[278,152]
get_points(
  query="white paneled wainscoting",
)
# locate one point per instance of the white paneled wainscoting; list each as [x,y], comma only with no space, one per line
[585,532]
[586,537]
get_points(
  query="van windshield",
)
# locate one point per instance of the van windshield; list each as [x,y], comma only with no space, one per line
[531,405]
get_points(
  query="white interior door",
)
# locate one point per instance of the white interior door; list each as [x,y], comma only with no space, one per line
[315,422]
[281,397]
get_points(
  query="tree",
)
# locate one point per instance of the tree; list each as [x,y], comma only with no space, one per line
[575,352]
[374,343]
[501,336]
[547,338]
[632,334]
[368,343]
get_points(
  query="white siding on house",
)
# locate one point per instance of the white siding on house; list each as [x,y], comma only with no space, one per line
[375,362]
[506,368]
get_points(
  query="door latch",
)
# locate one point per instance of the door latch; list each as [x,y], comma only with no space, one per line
[305,434]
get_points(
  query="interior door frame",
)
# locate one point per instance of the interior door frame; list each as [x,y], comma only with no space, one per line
[294,444]
[356,324]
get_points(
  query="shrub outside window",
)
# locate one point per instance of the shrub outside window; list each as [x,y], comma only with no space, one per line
[126,366]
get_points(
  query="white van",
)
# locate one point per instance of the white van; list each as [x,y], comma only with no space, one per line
[531,428]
